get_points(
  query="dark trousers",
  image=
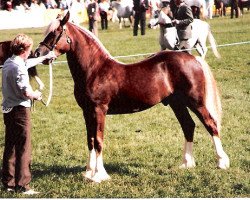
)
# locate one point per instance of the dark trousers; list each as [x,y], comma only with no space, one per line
[17,151]
[104,20]
[234,8]
[140,17]
[91,24]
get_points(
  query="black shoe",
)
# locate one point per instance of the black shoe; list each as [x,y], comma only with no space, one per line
[26,191]
[9,189]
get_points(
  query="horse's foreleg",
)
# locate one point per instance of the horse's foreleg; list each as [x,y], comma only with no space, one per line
[39,82]
[95,128]
[188,126]
[131,21]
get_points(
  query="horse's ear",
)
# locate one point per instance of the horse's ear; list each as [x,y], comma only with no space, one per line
[65,19]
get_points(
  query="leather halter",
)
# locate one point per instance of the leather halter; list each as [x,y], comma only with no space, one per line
[51,47]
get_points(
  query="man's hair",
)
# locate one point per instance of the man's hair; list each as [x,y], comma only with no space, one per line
[20,44]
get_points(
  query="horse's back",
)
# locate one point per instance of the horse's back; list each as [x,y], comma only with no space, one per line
[178,70]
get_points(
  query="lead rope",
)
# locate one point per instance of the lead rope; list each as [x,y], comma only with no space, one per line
[50,85]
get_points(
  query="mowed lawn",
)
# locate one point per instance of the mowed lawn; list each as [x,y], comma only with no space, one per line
[143,151]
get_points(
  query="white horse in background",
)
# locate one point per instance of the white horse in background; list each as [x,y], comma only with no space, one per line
[200,31]
[122,10]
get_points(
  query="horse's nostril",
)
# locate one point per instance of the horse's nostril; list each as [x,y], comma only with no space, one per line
[37,54]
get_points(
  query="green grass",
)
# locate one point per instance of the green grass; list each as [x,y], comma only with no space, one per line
[142,151]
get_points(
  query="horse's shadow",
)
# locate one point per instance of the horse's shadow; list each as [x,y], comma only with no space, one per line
[40,170]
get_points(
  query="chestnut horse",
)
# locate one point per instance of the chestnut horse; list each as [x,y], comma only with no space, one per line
[104,86]
[5,53]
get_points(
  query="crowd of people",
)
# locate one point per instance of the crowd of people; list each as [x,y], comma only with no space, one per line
[101,10]
[196,5]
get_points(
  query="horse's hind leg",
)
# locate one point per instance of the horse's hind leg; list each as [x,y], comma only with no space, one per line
[188,126]
[212,128]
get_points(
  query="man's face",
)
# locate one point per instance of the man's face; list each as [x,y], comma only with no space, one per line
[27,52]
[177,2]
[166,9]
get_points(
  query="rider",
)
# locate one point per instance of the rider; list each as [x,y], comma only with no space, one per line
[183,19]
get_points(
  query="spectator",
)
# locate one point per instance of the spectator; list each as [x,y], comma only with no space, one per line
[235,8]
[154,6]
[209,7]
[140,8]
[50,4]
[198,7]
[41,4]
[34,5]
[17,95]
[9,5]
[92,11]
[76,8]
[62,4]
[23,6]
[221,6]
[104,8]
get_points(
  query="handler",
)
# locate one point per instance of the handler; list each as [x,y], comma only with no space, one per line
[183,19]
[16,104]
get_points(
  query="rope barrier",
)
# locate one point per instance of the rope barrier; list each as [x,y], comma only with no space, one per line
[222,45]
[146,54]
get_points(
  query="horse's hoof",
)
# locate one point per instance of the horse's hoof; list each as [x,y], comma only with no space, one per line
[188,162]
[224,163]
[187,166]
[97,177]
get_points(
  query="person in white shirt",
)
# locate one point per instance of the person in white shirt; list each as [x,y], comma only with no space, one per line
[17,96]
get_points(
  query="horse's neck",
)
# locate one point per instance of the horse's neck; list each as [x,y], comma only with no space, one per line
[86,50]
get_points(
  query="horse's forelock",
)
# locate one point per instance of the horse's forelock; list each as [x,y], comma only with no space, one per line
[52,26]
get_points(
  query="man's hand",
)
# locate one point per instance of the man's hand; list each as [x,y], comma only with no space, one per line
[175,22]
[37,95]
[50,56]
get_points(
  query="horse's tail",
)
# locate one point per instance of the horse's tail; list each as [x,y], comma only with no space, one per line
[213,43]
[213,102]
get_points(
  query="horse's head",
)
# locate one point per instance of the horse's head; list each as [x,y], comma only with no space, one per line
[56,39]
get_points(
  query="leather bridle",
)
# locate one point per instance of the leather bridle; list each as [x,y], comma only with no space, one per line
[52,47]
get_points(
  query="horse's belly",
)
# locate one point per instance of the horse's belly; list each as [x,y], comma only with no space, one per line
[125,105]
